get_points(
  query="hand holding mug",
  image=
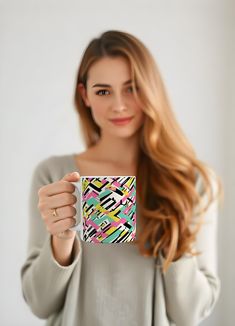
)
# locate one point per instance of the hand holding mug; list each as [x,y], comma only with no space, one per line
[55,204]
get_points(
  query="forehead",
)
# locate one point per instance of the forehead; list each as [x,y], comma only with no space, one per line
[109,70]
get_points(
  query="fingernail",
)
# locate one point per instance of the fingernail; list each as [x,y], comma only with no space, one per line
[75,174]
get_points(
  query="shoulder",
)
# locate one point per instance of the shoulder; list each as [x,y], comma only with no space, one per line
[53,167]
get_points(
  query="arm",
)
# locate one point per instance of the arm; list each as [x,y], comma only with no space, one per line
[44,281]
[192,285]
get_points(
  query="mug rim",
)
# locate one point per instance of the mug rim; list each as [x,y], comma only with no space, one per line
[105,176]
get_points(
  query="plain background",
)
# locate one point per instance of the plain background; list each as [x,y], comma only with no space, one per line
[41,43]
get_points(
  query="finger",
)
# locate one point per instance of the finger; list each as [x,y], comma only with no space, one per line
[73,176]
[61,213]
[61,200]
[63,185]
[62,225]
[48,204]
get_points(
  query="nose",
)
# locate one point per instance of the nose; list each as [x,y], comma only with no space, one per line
[118,104]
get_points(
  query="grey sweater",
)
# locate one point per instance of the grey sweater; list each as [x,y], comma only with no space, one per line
[112,284]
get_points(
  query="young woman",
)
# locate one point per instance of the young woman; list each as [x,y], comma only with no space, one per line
[168,275]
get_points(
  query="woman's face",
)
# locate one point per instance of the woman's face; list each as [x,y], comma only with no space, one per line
[109,96]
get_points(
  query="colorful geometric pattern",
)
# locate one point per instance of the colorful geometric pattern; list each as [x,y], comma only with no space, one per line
[109,209]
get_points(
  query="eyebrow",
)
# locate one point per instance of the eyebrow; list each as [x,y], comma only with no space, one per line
[106,85]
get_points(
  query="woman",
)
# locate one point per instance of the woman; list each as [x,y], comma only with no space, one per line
[168,276]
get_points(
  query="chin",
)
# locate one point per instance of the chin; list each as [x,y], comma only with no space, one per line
[124,133]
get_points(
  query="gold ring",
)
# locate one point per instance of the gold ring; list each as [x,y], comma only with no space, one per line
[54,212]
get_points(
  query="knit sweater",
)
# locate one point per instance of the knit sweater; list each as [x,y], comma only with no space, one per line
[112,284]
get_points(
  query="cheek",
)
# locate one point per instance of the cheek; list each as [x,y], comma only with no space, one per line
[98,112]
[140,115]
[98,106]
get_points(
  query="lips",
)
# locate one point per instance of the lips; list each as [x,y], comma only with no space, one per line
[121,119]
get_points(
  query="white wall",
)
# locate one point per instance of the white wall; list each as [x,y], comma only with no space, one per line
[227,249]
[41,44]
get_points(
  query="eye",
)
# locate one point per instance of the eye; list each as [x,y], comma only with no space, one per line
[101,90]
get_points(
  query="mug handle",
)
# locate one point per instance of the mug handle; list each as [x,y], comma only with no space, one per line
[78,225]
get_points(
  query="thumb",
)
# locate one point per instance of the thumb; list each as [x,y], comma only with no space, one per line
[73,176]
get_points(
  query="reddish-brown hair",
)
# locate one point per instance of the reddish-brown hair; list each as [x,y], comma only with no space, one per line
[169,202]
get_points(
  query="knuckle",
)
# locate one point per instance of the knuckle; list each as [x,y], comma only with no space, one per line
[41,190]
[43,216]
[41,205]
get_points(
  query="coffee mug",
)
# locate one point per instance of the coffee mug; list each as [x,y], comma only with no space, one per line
[106,208]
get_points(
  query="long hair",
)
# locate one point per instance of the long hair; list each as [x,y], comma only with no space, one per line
[168,168]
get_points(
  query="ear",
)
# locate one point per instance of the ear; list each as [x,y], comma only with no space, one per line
[82,90]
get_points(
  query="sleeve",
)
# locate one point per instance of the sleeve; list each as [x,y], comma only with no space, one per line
[44,281]
[192,285]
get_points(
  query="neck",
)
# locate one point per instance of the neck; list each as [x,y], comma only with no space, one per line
[117,150]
